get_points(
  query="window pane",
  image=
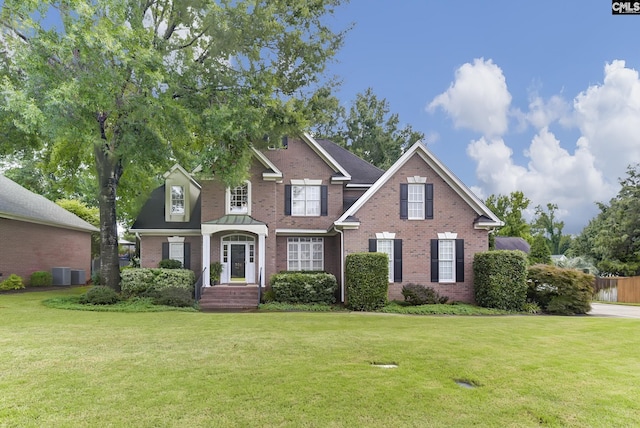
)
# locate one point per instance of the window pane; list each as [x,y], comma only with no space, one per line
[177,200]
[305,200]
[305,253]
[386,246]
[446,260]
[415,203]
[239,199]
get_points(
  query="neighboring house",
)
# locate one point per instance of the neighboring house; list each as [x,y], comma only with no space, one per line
[38,235]
[512,243]
[310,203]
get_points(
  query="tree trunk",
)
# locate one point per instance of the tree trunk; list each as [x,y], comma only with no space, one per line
[109,171]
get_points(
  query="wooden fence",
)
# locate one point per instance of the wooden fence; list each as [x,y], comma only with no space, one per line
[618,289]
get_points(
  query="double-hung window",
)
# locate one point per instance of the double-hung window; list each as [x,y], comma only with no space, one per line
[415,201]
[305,253]
[177,200]
[305,200]
[446,260]
[386,246]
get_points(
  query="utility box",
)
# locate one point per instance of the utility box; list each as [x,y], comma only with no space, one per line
[78,277]
[61,275]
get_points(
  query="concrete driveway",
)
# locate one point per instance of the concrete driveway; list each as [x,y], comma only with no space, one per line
[618,311]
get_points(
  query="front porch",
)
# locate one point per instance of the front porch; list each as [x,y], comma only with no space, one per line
[230,297]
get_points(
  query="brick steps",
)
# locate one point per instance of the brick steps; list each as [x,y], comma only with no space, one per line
[229,297]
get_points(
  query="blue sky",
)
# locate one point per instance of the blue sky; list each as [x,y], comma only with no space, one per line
[539,96]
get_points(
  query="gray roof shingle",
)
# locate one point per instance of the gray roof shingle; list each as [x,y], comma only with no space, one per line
[18,203]
[361,171]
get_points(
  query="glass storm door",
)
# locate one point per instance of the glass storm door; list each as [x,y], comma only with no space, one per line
[238,266]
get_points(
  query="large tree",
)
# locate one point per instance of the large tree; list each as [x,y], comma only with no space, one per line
[369,130]
[612,238]
[126,86]
[545,224]
[509,209]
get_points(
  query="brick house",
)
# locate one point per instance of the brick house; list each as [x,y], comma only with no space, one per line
[309,203]
[38,235]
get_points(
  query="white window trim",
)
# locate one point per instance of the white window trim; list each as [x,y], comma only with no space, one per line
[409,202]
[174,243]
[227,201]
[451,237]
[306,182]
[311,240]
[184,201]
[307,200]
[390,255]
[416,179]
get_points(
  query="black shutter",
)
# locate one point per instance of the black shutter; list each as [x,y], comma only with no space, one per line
[404,200]
[323,200]
[435,275]
[165,250]
[187,255]
[287,199]
[428,212]
[373,245]
[397,260]
[459,260]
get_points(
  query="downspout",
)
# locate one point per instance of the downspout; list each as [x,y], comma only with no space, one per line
[341,263]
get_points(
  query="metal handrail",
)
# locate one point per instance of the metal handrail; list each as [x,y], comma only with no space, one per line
[197,294]
[259,286]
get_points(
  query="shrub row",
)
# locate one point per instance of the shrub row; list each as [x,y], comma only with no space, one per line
[143,281]
[37,279]
[302,287]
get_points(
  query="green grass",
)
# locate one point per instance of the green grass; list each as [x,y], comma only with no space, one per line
[181,369]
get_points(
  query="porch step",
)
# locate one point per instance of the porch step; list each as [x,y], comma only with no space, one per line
[229,297]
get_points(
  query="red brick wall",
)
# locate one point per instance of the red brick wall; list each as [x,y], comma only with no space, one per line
[451,214]
[28,247]
[151,251]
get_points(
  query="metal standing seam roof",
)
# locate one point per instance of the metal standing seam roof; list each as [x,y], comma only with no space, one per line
[18,203]
[235,219]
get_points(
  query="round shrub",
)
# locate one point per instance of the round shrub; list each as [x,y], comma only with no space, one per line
[560,291]
[418,294]
[100,295]
[41,279]
[170,264]
[13,282]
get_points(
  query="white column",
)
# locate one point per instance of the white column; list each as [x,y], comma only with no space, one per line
[206,259]
[261,258]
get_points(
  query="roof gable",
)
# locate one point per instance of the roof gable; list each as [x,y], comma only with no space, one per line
[341,173]
[18,203]
[363,174]
[489,219]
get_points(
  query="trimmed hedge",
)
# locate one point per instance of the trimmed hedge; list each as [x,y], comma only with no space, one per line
[367,281]
[303,287]
[560,291]
[418,294]
[500,279]
[170,264]
[13,282]
[100,295]
[41,279]
[173,296]
[143,281]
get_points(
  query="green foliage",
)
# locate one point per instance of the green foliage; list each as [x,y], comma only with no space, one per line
[143,281]
[170,264]
[540,252]
[367,281]
[369,131]
[560,291]
[100,295]
[173,296]
[268,296]
[612,238]
[545,225]
[301,287]
[297,307]
[189,82]
[438,309]
[418,294]
[41,279]
[13,282]
[500,279]
[531,308]
[215,271]
[95,278]
[509,209]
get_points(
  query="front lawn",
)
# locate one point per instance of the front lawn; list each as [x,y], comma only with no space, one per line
[78,368]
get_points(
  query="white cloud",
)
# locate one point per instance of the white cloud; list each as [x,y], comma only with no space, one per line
[478,99]
[573,175]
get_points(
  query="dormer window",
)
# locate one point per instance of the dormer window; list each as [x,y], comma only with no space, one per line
[239,199]
[177,200]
